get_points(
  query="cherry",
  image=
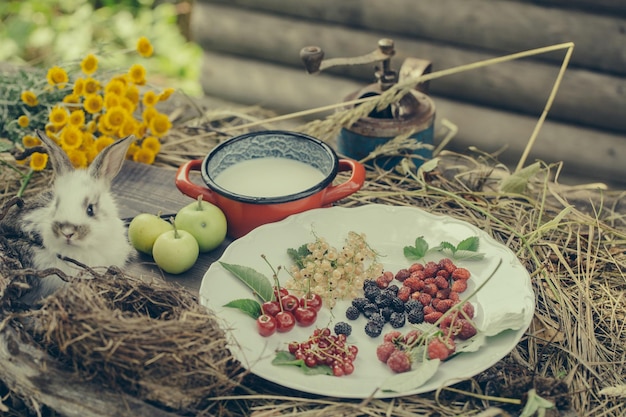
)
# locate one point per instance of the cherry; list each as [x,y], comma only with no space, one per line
[285,321]
[312,300]
[271,308]
[289,302]
[305,316]
[279,292]
[266,325]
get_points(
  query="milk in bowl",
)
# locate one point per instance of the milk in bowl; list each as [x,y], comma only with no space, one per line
[269,177]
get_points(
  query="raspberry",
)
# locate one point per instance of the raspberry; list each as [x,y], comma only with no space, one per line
[467,329]
[404,293]
[432,317]
[402,274]
[459,286]
[397,320]
[411,337]
[415,316]
[343,328]
[444,305]
[381,282]
[438,349]
[352,313]
[372,329]
[412,305]
[413,283]
[392,336]
[399,361]
[468,309]
[416,267]
[441,282]
[384,351]
[461,273]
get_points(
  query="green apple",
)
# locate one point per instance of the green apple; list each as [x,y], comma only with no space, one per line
[144,229]
[175,251]
[205,221]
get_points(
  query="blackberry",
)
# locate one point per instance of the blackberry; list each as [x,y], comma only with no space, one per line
[413,304]
[360,302]
[369,283]
[383,300]
[397,320]
[397,305]
[343,328]
[369,309]
[378,319]
[415,316]
[352,313]
[393,289]
[386,312]
[372,329]
[371,293]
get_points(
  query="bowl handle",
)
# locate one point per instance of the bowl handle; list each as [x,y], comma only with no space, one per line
[352,185]
[184,184]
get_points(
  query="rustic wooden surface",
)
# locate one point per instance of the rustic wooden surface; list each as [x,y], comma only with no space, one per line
[141,188]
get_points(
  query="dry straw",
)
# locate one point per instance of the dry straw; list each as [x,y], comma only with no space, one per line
[572,241]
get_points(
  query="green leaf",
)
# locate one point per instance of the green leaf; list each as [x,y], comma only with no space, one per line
[418,251]
[518,182]
[468,255]
[535,405]
[284,358]
[246,305]
[415,378]
[470,244]
[259,283]
[297,255]
[446,245]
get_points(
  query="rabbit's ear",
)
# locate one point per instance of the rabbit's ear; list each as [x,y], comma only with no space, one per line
[60,161]
[109,161]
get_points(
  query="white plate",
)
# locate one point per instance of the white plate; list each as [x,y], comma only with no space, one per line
[388,229]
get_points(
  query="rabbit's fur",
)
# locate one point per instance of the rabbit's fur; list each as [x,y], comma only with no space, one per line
[76,219]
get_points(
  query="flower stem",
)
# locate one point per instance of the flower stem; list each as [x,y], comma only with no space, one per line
[24,183]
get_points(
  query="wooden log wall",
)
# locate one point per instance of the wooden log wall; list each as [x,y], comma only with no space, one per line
[252,57]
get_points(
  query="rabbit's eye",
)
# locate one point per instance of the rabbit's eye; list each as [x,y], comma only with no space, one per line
[91,211]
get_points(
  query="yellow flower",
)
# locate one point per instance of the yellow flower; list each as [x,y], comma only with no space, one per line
[57,76]
[72,99]
[115,87]
[150,99]
[91,126]
[132,150]
[89,65]
[102,142]
[77,118]
[38,161]
[58,116]
[23,121]
[165,94]
[93,103]
[52,130]
[111,100]
[91,152]
[91,86]
[152,143]
[129,127]
[105,128]
[115,117]
[127,105]
[141,130]
[29,141]
[88,140]
[132,93]
[29,98]
[71,137]
[144,47]
[78,158]
[148,114]
[145,156]
[137,74]
[79,86]
[160,124]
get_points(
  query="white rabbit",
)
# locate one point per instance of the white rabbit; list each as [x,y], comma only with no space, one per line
[77,219]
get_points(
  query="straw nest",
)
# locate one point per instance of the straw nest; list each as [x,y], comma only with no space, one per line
[154,342]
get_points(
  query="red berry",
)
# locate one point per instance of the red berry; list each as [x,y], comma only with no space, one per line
[271,308]
[425,299]
[387,276]
[443,273]
[289,302]
[381,282]
[440,349]
[459,286]
[392,336]
[432,317]
[403,274]
[279,292]
[418,274]
[285,321]
[312,300]
[384,351]
[338,370]
[416,267]
[460,273]
[399,361]
[430,269]
[444,305]
[411,337]
[266,325]
[468,309]
[413,283]
[430,289]
[404,293]
[454,296]
[443,294]
[348,368]
[305,316]
[467,329]
[441,282]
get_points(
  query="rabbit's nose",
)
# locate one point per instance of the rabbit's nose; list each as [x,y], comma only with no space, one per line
[66,230]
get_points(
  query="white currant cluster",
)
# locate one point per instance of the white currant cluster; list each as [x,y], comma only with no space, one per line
[335,274]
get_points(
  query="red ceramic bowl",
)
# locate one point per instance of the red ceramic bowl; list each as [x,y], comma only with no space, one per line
[263,177]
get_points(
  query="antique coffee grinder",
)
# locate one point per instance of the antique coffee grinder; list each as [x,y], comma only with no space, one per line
[414,112]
